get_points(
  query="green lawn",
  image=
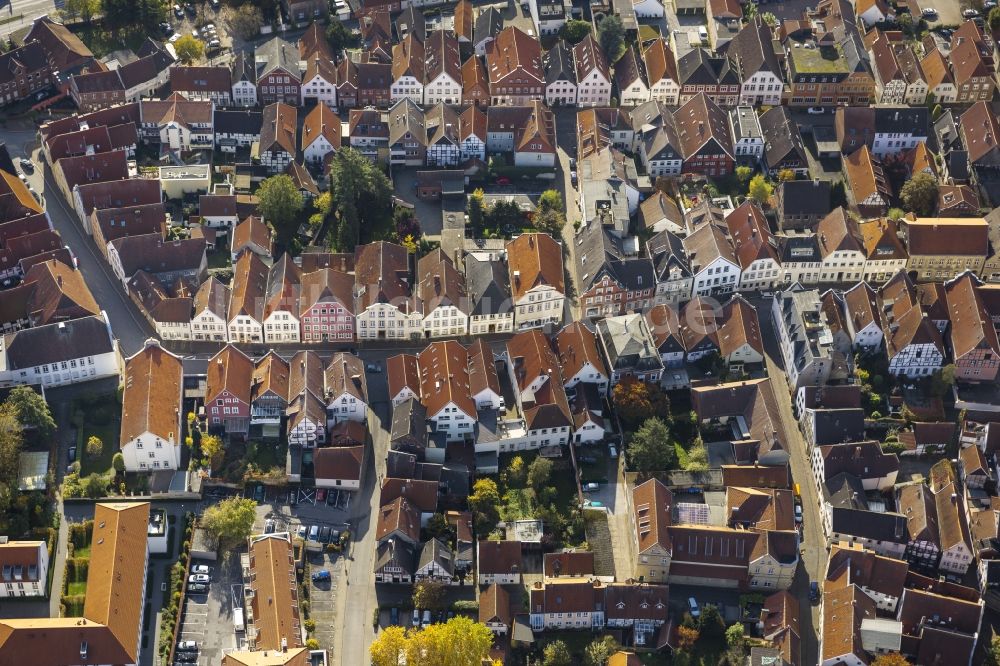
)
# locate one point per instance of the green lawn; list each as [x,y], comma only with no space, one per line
[101,464]
[74,606]
[73,589]
[82,553]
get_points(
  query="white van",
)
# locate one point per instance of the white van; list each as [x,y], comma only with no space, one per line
[238,622]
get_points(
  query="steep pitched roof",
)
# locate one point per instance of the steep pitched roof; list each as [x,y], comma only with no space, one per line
[534,259]
[151,401]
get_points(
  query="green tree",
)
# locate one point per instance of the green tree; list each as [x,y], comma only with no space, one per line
[697,456]
[539,473]
[230,521]
[919,194]
[750,11]
[744,173]
[118,462]
[786,175]
[85,10]
[246,20]
[651,449]
[95,486]
[504,215]
[212,449]
[340,37]
[362,198]
[599,651]
[711,626]
[484,501]
[517,472]
[10,453]
[550,200]
[760,190]
[557,653]
[32,410]
[896,214]
[476,210]
[611,35]
[428,595]
[437,526]
[838,195]
[189,49]
[95,447]
[943,380]
[937,110]
[994,19]
[993,653]
[550,221]
[280,205]
[769,19]
[573,31]
[735,635]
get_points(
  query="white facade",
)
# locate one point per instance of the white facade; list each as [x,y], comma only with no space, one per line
[150,452]
[877,271]
[173,330]
[719,277]
[762,89]
[20,581]
[588,374]
[244,94]
[767,573]
[281,326]
[244,328]
[894,143]
[317,151]
[594,89]
[384,320]
[443,89]
[842,266]
[346,407]
[407,87]
[206,325]
[539,306]
[63,372]
[321,90]
[561,92]
[445,320]
[761,274]
[491,323]
[453,422]
[916,360]
[666,90]
[637,92]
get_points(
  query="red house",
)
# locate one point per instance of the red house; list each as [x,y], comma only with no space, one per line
[227,391]
[327,306]
[703,131]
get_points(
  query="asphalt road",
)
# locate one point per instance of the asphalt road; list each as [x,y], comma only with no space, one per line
[28,10]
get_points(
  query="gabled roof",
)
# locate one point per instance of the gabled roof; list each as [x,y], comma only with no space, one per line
[865,176]
[980,131]
[326,285]
[739,326]
[57,292]
[151,401]
[382,275]
[270,376]
[557,63]
[201,80]
[589,57]
[408,59]
[489,23]
[534,259]
[836,233]
[442,56]
[971,327]
[279,128]
[213,296]
[782,139]
[700,124]
[514,50]
[660,62]
[629,69]
[752,50]
[652,502]
[249,288]
[345,374]
[577,345]
[321,122]
[229,370]
[706,244]
[482,369]
[444,378]
[750,234]
[313,43]
[276,53]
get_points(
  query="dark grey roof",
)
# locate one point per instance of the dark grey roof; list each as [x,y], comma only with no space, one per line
[958,164]
[238,121]
[666,251]
[558,64]
[400,465]
[799,248]
[913,120]
[700,67]
[62,341]
[752,50]
[628,344]
[599,253]
[436,551]
[782,140]
[396,553]
[488,285]
[276,53]
[836,426]
[804,197]
[889,527]
[409,425]
[411,21]
[946,133]
[489,23]
[243,68]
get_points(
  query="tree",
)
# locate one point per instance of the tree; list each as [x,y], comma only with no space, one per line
[246,21]
[437,526]
[697,457]
[516,472]
[212,449]
[919,194]
[81,9]
[476,210]
[230,521]
[890,659]
[769,19]
[557,653]
[636,401]
[896,214]
[189,49]
[388,646]
[505,216]
[943,380]
[550,221]
[340,37]
[994,650]
[994,19]
[838,195]
[735,635]
[687,637]
[32,410]
[750,11]
[118,462]
[428,595]
[760,190]
[10,452]
[539,473]
[611,35]
[95,447]
[95,486]
[550,200]
[460,641]
[574,30]
[711,626]
[484,501]
[599,651]
[744,173]
[651,449]
[362,198]
[786,175]
[280,205]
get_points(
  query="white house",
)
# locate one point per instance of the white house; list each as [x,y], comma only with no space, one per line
[25,566]
[67,352]
[408,64]
[536,279]
[560,75]
[549,16]
[593,77]
[863,316]
[443,299]
[281,302]
[339,467]
[630,78]
[580,359]
[178,123]
[320,134]
[472,134]
[211,304]
[346,389]
[444,388]
[760,71]
[756,253]
[386,308]
[152,410]
[246,305]
[661,71]
[715,268]
[499,562]
[443,69]
[244,80]
[319,84]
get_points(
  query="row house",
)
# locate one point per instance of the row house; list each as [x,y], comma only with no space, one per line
[277,72]
[757,253]
[972,335]
[237,129]
[747,135]
[898,76]
[245,318]
[760,73]
[514,65]
[971,59]
[210,320]
[442,293]
[885,254]
[671,268]
[166,305]
[227,391]
[110,224]
[732,332]
[50,292]
[611,281]
[714,266]
[442,69]
[475,83]
[980,132]
[319,82]
[362,84]
[560,75]
[128,83]
[177,123]
[548,16]
[488,284]
[244,79]
[306,409]
[806,339]
[629,348]
[659,145]
[592,605]
[443,131]
[938,531]
[940,248]
[582,365]
[320,134]
[871,188]
[208,84]
[408,63]
[592,75]
[385,304]
[326,306]
[865,461]
[281,302]
[705,140]
[60,353]
[547,421]
[489,23]
[407,134]
[699,71]
[887,131]
[24,71]
[219,211]
[269,394]
[167,261]
[631,79]
[368,132]
[661,72]
[940,80]
[840,249]
[913,343]
[536,279]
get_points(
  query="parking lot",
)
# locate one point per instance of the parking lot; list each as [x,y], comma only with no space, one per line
[208,616]
[323,598]
[203,22]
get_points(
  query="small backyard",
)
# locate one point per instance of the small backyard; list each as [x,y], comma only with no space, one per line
[77,565]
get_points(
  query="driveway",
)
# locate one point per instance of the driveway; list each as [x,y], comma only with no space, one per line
[323,599]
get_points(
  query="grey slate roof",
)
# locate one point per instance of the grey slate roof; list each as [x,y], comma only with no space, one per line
[411,22]
[409,423]
[62,341]
[488,285]
[276,53]
[799,248]
[436,551]
[782,140]
[666,251]
[628,343]
[558,64]
[889,527]
[396,553]
[836,426]
[238,121]
[700,67]
[243,68]
[914,120]
[598,252]
[804,197]
[489,23]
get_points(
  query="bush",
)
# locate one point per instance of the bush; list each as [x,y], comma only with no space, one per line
[465,605]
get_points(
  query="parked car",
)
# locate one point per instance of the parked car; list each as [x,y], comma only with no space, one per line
[178,12]
[27,165]
[186,657]
[199,578]
[572,178]
[814,591]
[928,11]
[187,646]
[258,494]
[331,498]
[214,44]
[593,504]
[591,487]
[321,575]
[373,367]
[268,526]
[394,616]
[969,13]
[588,460]
[415,620]
[320,495]
[572,164]
[324,534]
[313,532]
[200,569]
[197,588]
[72,453]
[612,451]
[174,37]
[798,513]
[302,531]
[693,607]
[503,180]
[816,110]
[427,620]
